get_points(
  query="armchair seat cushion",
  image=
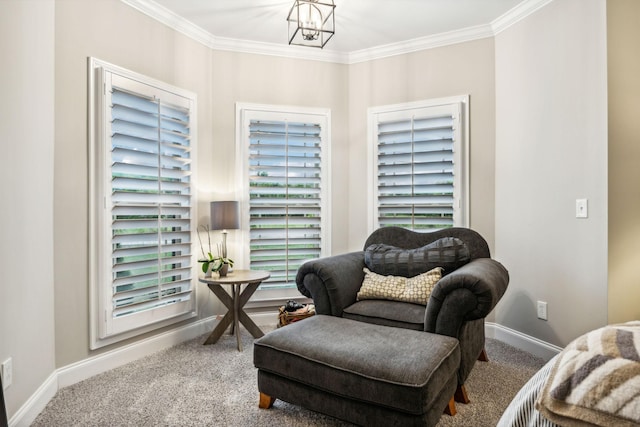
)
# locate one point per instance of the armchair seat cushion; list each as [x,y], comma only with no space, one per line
[387,313]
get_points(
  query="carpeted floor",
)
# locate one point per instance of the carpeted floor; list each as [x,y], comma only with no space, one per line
[195,385]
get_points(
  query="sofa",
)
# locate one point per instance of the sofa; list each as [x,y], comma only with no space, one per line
[469,287]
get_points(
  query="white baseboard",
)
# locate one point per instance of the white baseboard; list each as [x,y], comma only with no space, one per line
[36,403]
[94,365]
[522,341]
[75,372]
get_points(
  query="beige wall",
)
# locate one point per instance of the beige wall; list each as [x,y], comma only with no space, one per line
[116,33]
[263,79]
[623,41]
[220,79]
[26,191]
[551,149]
[461,69]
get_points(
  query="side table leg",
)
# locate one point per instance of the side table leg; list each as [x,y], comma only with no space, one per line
[220,328]
[227,320]
[242,316]
[236,300]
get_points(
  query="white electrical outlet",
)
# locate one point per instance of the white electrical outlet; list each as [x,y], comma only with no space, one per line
[7,373]
[542,310]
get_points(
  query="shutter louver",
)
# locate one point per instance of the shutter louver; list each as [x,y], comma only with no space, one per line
[416,172]
[150,203]
[284,197]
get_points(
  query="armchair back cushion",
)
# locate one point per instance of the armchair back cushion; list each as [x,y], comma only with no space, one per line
[448,253]
[407,239]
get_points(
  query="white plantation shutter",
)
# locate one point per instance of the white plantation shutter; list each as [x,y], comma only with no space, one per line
[419,167]
[285,193]
[145,249]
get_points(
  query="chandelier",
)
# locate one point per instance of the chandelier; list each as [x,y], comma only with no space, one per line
[311,22]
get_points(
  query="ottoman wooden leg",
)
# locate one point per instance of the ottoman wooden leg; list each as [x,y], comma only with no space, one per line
[461,394]
[266,401]
[451,407]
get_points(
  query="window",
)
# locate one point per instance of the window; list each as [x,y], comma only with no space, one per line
[284,156]
[142,207]
[419,154]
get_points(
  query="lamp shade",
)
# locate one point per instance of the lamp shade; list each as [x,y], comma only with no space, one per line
[225,215]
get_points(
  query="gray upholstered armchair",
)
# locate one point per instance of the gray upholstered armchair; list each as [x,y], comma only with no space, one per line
[471,285]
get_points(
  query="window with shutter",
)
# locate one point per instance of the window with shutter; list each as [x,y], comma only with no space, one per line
[419,172]
[142,203]
[284,185]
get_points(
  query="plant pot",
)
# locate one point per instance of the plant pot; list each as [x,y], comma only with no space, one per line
[209,271]
[209,268]
[224,270]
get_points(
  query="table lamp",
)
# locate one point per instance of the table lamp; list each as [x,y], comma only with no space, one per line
[225,216]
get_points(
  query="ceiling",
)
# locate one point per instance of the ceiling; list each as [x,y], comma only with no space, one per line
[360,24]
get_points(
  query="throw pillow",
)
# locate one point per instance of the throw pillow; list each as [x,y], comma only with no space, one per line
[396,288]
[449,253]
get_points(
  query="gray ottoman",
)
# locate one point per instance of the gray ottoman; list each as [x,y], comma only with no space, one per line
[359,372]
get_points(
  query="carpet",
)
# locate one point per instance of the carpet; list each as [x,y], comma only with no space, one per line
[195,385]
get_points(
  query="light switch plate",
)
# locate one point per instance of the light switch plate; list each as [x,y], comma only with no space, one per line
[582,208]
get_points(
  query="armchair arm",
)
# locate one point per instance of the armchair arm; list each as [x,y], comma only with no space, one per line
[468,293]
[333,282]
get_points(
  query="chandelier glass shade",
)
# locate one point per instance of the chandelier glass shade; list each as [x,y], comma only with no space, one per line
[311,22]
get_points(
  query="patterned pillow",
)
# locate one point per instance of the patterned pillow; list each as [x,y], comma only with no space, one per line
[415,289]
[449,253]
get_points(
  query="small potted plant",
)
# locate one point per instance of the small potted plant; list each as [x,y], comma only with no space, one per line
[213,263]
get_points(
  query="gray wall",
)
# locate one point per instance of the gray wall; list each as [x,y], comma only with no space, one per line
[551,149]
[26,191]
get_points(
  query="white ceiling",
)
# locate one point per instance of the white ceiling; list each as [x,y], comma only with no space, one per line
[360,24]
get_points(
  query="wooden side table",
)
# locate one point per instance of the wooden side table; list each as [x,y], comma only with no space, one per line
[235,302]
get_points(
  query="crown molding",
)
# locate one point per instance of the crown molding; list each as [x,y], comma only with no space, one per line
[518,13]
[422,43]
[297,52]
[180,24]
[172,20]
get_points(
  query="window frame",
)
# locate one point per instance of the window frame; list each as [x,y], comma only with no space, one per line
[461,154]
[245,112]
[102,332]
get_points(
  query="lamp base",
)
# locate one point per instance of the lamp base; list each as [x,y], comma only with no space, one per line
[224,244]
